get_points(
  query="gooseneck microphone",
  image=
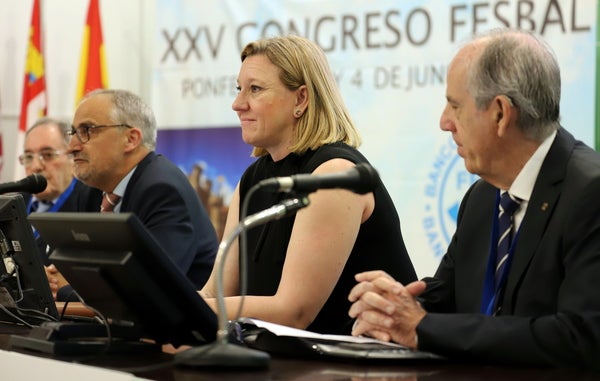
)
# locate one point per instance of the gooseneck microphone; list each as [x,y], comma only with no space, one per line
[283,209]
[35,183]
[361,179]
[222,352]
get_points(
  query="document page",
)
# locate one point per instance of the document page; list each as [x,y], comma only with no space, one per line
[281,330]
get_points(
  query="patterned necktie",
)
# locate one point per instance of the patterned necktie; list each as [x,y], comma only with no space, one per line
[40,206]
[508,205]
[109,200]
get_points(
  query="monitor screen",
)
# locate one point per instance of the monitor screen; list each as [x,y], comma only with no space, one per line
[118,268]
[25,295]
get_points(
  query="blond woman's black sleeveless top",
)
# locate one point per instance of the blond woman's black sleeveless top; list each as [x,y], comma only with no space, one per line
[379,245]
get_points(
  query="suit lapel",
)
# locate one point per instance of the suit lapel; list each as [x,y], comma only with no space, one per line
[131,185]
[539,210]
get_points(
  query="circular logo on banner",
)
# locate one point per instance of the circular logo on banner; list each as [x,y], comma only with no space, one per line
[448,180]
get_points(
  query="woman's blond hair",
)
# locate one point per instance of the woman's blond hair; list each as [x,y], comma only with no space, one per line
[302,62]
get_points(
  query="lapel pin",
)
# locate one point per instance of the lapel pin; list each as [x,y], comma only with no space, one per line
[544,206]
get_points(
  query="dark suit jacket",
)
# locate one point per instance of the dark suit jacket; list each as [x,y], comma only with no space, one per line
[82,199]
[551,305]
[160,195]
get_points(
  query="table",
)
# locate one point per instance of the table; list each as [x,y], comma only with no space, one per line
[306,370]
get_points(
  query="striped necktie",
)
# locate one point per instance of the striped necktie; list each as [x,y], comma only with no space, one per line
[109,201]
[508,206]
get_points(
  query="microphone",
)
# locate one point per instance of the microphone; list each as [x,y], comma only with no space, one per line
[35,183]
[361,179]
[283,209]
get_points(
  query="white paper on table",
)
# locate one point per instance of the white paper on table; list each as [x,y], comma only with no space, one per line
[282,330]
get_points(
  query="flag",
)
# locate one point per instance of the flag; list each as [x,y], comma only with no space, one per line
[33,104]
[1,159]
[1,153]
[92,66]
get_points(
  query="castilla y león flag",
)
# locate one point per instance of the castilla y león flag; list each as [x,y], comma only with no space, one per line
[33,104]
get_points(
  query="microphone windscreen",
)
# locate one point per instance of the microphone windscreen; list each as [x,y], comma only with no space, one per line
[369,178]
[35,183]
[38,183]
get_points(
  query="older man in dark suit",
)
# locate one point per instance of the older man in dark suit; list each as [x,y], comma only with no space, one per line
[523,293]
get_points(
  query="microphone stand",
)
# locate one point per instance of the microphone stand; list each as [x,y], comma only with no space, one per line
[223,353]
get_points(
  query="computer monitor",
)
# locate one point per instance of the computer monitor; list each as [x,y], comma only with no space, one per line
[25,295]
[119,269]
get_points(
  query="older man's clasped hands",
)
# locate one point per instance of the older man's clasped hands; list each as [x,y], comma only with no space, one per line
[385,309]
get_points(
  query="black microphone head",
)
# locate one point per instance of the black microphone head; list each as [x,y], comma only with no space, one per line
[35,183]
[369,179]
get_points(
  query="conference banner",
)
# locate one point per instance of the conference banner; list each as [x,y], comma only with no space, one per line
[390,60]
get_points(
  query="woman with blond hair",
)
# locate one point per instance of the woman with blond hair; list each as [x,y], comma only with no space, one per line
[301,268]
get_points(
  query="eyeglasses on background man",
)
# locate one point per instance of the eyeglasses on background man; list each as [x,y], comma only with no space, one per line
[45,156]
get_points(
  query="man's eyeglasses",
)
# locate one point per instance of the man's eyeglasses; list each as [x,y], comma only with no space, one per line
[45,156]
[83,130]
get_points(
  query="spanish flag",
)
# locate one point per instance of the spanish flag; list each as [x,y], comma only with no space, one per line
[33,104]
[92,65]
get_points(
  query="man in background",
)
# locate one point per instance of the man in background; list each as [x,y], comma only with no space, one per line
[45,152]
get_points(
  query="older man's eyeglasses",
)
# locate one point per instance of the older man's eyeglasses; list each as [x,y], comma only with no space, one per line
[45,156]
[83,130]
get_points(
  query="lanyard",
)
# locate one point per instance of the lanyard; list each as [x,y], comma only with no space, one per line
[58,204]
[493,290]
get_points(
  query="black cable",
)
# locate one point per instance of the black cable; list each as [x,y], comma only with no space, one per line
[19,288]
[109,341]
[103,320]
[25,312]
[17,319]
[64,309]
[29,312]
[7,250]
[5,246]
[43,315]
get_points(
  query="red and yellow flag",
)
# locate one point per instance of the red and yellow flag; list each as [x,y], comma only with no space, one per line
[1,153]
[33,104]
[92,65]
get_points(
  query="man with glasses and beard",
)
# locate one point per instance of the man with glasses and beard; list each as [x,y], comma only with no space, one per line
[112,144]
